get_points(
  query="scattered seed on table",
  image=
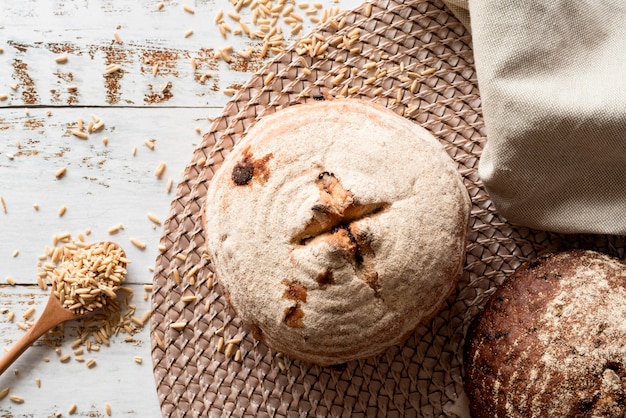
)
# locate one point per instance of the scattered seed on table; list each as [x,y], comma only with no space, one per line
[138,359]
[188,9]
[62,210]
[138,244]
[3,393]
[188,33]
[29,312]
[159,170]
[72,409]
[115,229]
[107,409]
[16,253]
[72,88]
[112,68]
[117,37]
[38,382]
[11,281]
[168,186]
[91,363]
[79,134]
[61,59]
[159,6]
[64,358]
[16,399]
[149,143]
[154,218]
[60,172]
[4,205]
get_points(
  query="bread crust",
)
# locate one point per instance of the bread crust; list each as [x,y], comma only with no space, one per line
[551,341]
[336,228]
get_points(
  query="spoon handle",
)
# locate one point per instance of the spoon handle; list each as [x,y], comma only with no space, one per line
[52,315]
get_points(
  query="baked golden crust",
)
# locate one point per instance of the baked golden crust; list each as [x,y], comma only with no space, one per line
[336,228]
[551,341]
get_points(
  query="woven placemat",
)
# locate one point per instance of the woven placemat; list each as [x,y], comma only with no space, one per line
[424,71]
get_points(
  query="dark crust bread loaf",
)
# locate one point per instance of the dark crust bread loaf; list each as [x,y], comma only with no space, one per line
[551,341]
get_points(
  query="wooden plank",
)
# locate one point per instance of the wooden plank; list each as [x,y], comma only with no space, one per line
[33,34]
[104,185]
[116,379]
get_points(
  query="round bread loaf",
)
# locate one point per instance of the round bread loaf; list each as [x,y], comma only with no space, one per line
[551,341]
[335,228]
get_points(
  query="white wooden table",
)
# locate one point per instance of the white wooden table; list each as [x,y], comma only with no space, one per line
[156,94]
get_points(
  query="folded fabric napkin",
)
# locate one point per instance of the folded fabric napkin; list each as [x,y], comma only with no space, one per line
[552,77]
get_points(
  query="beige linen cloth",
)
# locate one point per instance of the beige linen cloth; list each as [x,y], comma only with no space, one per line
[552,77]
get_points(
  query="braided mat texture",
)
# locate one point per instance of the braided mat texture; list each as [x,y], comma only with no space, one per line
[213,367]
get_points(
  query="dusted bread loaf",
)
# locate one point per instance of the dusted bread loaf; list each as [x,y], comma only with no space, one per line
[551,341]
[335,228]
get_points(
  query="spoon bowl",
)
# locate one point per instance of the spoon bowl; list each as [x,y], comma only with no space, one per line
[54,313]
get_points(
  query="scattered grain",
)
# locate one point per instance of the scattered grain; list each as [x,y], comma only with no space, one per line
[189,298]
[79,134]
[178,325]
[115,229]
[159,170]
[11,281]
[60,172]
[188,9]
[138,244]
[154,218]
[117,37]
[29,312]
[159,6]
[72,88]
[38,382]
[138,359]
[15,253]
[72,409]
[188,33]
[158,340]
[91,363]
[16,399]
[3,97]
[428,71]
[3,393]
[107,409]
[149,143]
[62,210]
[64,358]
[268,78]
[61,59]
[112,68]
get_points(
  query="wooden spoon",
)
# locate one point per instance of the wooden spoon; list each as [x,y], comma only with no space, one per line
[53,314]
